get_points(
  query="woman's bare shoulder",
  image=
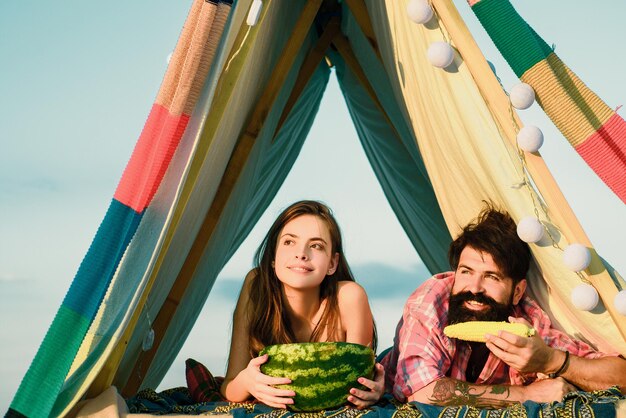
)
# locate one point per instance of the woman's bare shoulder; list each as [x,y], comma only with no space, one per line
[350,291]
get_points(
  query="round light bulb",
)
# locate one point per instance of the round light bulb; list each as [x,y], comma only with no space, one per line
[419,11]
[530,138]
[529,229]
[585,297]
[440,54]
[522,96]
[576,257]
[620,302]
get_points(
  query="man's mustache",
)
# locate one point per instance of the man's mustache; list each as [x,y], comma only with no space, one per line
[475,297]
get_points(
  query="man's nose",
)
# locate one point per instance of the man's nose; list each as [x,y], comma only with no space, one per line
[475,284]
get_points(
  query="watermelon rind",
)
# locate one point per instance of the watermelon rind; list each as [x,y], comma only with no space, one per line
[322,373]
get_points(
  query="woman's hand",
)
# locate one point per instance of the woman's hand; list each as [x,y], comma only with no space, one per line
[364,398]
[261,386]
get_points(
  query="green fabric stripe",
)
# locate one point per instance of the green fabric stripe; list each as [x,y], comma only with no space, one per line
[14,414]
[39,388]
[518,43]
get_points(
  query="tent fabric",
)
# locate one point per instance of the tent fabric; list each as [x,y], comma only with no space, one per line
[590,126]
[210,160]
[454,127]
[75,335]
[595,130]
[391,149]
[260,176]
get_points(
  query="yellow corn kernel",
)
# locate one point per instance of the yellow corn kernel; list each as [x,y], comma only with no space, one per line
[476,330]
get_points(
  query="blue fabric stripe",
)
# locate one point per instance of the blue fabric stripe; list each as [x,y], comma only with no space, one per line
[97,268]
[81,303]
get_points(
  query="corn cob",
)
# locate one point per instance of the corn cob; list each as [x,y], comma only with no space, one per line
[476,330]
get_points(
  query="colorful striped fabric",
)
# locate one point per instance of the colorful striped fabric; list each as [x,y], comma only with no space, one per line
[39,392]
[595,130]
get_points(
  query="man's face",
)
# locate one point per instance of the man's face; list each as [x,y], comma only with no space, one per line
[481,291]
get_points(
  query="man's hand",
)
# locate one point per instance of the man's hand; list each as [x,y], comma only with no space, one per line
[525,354]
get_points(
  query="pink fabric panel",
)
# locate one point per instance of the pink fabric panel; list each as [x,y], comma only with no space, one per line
[605,152]
[151,157]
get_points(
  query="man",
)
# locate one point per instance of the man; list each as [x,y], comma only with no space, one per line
[490,263]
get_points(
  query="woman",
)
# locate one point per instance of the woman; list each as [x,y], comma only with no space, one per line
[301,290]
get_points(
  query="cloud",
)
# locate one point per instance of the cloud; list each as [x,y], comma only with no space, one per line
[383,281]
[21,187]
[8,277]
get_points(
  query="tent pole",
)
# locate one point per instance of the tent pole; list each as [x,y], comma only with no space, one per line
[362,17]
[316,54]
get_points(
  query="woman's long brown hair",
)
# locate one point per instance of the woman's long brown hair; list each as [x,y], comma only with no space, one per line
[268,319]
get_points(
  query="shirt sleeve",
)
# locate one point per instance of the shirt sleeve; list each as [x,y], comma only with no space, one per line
[562,341]
[423,351]
[555,338]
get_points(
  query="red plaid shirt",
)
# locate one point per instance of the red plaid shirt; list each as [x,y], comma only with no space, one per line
[422,353]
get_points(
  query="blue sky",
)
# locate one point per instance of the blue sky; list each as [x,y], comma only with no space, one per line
[76,86]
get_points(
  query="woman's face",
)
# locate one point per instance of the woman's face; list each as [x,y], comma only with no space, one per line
[304,253]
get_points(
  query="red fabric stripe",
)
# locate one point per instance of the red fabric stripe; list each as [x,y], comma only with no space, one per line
[605,152]
[152,155]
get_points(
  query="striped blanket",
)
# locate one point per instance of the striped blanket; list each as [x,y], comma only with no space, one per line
[597,404]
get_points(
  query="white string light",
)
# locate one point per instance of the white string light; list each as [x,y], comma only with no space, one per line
[522,96]
[440,54]
[529,229]
[576,257]
[419,11]
[530,138]
[585,297]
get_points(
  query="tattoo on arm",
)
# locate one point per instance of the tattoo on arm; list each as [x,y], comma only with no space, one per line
[450,392]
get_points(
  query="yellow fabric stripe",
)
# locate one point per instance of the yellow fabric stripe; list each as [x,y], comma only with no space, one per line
[576,110]
[177,61]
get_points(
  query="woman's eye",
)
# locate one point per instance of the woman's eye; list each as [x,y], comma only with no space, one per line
[317,246]
[287,242]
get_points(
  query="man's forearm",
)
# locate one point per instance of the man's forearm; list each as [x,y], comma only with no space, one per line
[452,392]
[593,374]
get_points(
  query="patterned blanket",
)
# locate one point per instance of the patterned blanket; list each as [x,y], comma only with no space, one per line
[597,404]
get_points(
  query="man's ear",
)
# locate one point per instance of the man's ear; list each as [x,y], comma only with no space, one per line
[518,291]
[334,263]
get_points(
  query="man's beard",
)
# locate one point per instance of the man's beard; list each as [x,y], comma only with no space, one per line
[457,312]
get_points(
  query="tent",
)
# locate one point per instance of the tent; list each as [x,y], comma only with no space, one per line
[232,113]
